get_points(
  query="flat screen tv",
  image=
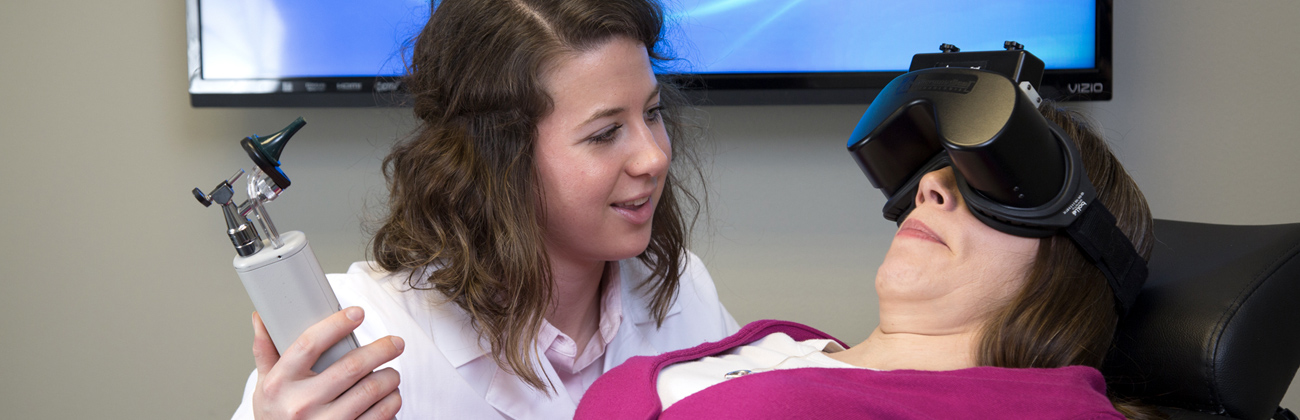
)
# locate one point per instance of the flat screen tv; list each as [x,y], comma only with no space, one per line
[293,53]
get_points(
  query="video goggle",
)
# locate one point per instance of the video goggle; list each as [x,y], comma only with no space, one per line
[1018,172]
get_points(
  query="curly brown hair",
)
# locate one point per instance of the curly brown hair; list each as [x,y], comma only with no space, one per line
[1065,314]
[464,215]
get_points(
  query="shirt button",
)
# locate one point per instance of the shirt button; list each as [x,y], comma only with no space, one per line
[736,374]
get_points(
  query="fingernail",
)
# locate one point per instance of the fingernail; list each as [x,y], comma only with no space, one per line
[354,313]
[399,343]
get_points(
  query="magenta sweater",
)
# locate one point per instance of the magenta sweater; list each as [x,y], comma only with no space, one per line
[628,391]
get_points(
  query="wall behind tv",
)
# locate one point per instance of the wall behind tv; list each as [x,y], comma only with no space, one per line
[117,300]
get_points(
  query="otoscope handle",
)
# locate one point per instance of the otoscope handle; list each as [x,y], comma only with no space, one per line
[290,292]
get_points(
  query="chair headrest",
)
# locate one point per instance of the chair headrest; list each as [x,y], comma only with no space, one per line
[1216,328]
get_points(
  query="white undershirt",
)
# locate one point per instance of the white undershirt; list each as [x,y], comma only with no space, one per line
[774,352]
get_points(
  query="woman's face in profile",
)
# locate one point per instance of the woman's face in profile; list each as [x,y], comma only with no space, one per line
[602,154]
[943,256]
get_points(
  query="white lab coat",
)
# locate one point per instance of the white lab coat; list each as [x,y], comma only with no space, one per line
[446,374]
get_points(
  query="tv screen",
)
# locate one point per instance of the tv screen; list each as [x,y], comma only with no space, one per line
[335,53]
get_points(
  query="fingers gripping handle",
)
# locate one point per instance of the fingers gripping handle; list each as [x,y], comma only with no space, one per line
[290,293]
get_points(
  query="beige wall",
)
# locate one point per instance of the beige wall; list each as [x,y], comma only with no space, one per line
[117,299]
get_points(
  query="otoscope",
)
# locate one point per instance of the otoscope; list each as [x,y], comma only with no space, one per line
[280,272]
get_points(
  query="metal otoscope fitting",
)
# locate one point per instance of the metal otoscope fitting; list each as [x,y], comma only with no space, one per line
[240,230]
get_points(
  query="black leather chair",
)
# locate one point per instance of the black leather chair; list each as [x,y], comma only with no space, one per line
[1216,331]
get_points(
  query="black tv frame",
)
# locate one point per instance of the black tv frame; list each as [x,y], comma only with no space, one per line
[1093,84]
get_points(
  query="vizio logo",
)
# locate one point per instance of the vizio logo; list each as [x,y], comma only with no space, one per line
[1085,87]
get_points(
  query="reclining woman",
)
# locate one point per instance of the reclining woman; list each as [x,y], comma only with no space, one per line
[973,322]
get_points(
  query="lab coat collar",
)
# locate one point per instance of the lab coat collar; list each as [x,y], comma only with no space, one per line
[517,400]
[447,324]
[454,334]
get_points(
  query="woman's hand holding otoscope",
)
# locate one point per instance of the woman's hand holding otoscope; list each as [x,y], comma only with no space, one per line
[351,388]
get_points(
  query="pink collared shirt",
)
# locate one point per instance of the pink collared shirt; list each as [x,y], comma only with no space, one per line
[578,371]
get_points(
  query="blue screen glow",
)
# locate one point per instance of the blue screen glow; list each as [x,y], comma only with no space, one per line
[744,36]
[274,39]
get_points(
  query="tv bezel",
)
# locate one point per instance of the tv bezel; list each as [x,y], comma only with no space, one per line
[1094,84]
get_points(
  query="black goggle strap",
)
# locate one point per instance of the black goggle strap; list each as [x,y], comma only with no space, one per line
[1096,234]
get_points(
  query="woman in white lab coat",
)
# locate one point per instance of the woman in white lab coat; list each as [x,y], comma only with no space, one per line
[535,229]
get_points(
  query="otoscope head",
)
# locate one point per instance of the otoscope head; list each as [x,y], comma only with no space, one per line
[265,151]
